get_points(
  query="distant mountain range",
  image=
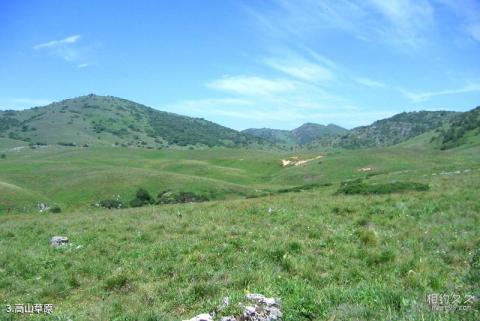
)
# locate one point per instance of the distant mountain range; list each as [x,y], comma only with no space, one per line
[106,120]
[302,135]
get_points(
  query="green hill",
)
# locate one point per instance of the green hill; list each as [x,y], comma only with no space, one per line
[463,129]
[106,120]
[389,131]
[302,135]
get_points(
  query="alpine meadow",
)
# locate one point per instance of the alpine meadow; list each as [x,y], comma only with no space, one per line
[255,172]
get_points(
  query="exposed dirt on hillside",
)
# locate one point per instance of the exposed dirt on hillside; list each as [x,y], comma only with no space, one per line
[295,161]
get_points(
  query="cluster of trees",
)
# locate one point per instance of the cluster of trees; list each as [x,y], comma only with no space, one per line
[143,198]
[184,131]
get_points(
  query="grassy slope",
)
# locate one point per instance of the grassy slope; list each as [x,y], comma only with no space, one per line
[325,255]
[77,177]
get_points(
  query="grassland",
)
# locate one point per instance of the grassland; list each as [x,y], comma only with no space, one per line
[75,177]
[348,257]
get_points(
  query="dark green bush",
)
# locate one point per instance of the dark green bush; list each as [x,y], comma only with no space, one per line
[142,197]
[111,203]
[3,156]
[66,144]
[303,187]
[169,197]
[56,209]
[359,187]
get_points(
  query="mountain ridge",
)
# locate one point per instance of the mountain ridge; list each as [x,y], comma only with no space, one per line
[105,120]
[304,134]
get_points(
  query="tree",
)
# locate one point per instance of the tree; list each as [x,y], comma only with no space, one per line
[142,197]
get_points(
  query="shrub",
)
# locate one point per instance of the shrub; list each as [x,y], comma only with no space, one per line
[3,156]
[111,203]
[56,209]
[142,197]
[66,144]
[302,188]
[169,197]
[359,187]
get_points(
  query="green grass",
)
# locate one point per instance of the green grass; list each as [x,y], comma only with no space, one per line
[74,178]
[327,255]
[353,257]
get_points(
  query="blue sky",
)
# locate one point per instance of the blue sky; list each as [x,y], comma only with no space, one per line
[244,64]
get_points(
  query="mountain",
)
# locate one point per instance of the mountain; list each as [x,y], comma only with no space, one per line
[390,131]
[302,135]
[107,120]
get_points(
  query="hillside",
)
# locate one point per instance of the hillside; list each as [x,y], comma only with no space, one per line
[302,135]
[462,129]
[389,131]
[105,120]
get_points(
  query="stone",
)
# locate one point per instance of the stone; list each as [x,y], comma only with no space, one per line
[201,317]
[261,308]
[42,207]
[59,240]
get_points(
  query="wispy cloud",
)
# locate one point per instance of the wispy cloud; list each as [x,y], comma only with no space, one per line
[398,22]
[241,114]
[252,85]
[424,96]
[300,68]
[68,49]
[469,13]
[369,82]
[55,43]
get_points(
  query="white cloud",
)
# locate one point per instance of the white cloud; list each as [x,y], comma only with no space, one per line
[300,68]
[55,43]
[399,22]
[252,85]
[424,96]
[369,82]
[67,49]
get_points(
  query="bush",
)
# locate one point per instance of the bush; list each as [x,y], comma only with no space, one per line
[142,197]
[66,144]
[56,209]
[169,197]
[3,156]
[111,203]
[359,187]
[302,188]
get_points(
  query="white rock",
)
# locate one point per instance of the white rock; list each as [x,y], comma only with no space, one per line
[201,317]
[59,240]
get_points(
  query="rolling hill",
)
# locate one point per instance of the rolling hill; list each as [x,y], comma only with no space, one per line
[390,131]
[302,135]
[107,120]
[463,129]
